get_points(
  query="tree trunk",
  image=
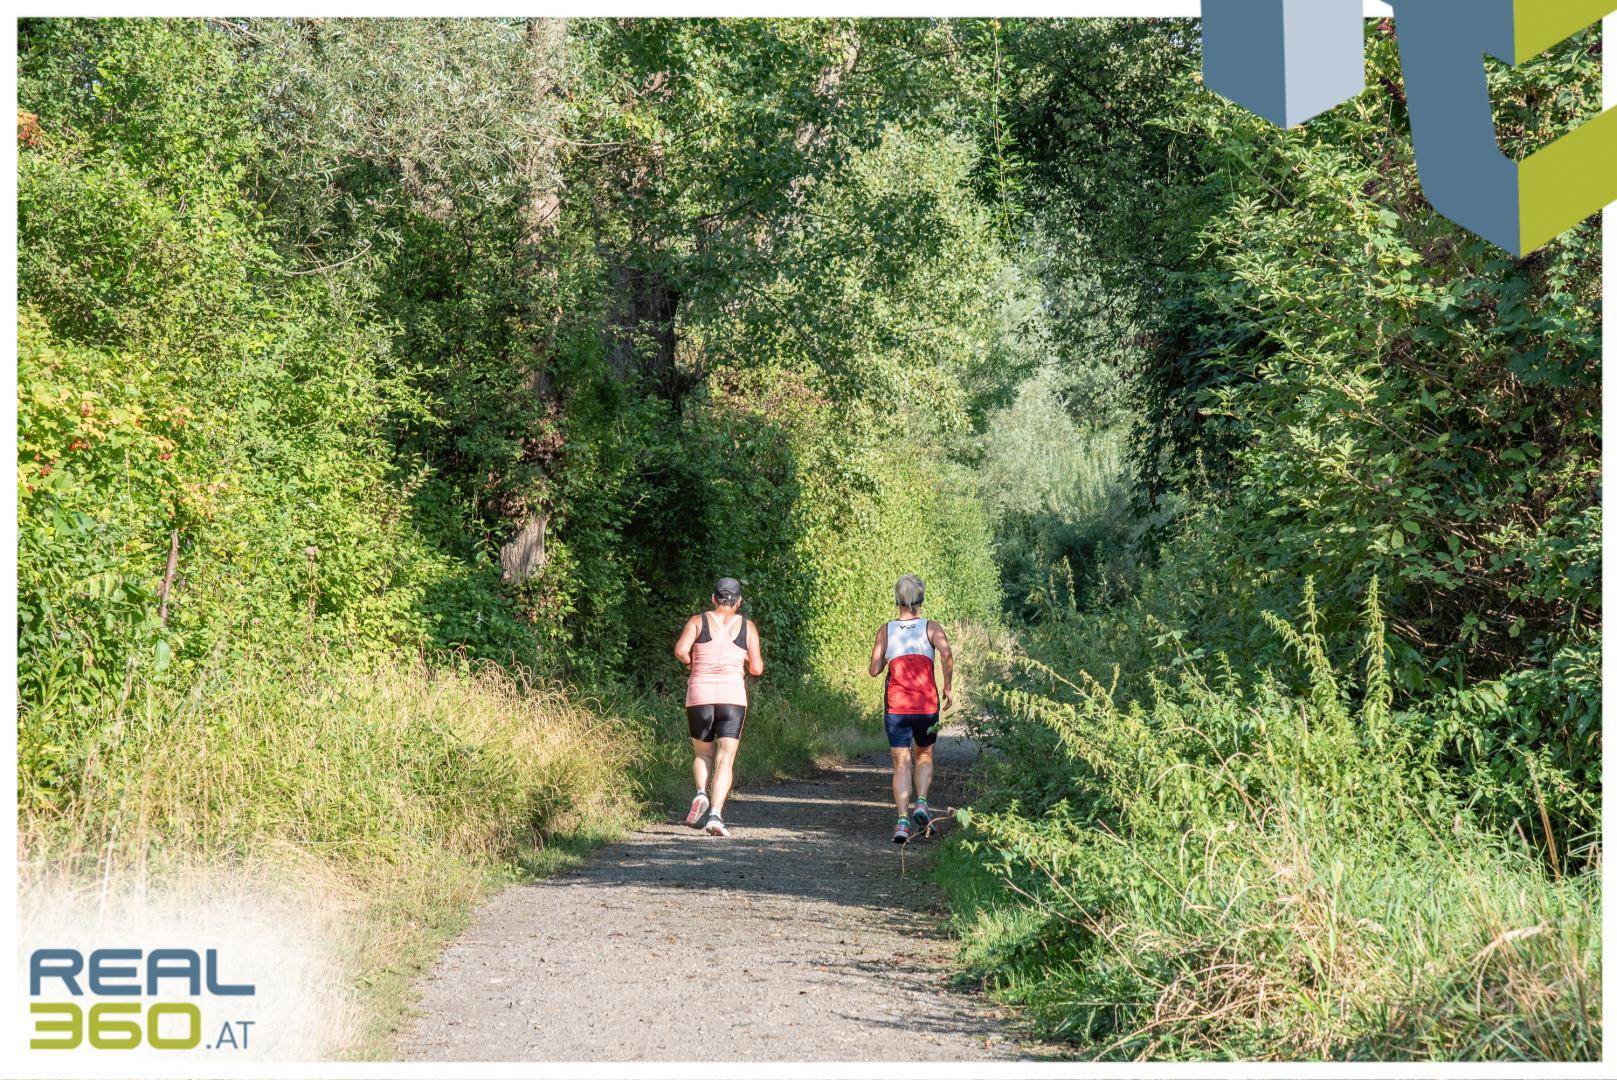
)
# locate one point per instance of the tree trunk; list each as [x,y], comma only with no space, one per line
[547,50]
[644,342]
[524,553]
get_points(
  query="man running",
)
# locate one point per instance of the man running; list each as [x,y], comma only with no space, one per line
[716,645]
[906,648]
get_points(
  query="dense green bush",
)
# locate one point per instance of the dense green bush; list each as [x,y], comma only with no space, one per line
[178,387]
[1066,534]
[1240,872]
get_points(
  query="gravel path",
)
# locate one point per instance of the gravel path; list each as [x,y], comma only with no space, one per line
[796,939]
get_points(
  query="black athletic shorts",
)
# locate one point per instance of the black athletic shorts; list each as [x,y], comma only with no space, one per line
[709,722]
[921,730]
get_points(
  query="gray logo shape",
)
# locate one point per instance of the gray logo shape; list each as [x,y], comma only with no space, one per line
[1465,175]
[1286,60]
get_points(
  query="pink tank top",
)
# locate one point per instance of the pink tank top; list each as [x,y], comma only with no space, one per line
[718,668]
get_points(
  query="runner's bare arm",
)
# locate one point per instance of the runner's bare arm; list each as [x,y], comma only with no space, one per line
[755,651]
[940,642]
[687,638]
[878,655]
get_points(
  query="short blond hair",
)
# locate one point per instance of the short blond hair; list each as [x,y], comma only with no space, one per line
[910,591]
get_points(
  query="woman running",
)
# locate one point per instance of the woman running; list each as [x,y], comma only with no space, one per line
[716,645]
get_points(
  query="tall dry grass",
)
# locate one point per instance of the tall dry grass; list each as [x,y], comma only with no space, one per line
[385,799]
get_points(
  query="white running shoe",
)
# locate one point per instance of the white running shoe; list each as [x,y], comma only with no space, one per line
[698,810]
[715,827]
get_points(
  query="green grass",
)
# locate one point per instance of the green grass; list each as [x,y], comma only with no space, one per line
[1267,869]
[1345,948]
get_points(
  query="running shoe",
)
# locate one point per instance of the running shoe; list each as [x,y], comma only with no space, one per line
[715,827]
[921,816]
[901,834]
[698,810]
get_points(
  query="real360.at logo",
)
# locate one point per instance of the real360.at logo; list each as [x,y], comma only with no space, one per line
[124,998]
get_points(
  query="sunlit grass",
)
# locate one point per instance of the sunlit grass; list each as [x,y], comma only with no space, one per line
[1266,871]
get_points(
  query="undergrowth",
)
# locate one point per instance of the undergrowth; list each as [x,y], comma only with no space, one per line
[1264,868]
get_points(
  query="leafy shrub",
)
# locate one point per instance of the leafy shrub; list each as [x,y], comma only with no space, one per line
[178,391]
[1242,871]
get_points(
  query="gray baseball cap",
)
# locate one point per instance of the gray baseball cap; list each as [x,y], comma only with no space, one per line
[727,587]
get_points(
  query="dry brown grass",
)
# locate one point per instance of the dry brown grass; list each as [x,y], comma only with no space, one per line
[376,803]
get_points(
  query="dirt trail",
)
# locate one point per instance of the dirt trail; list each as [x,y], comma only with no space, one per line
[795,939]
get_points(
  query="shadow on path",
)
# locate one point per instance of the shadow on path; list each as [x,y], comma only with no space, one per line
[806,935]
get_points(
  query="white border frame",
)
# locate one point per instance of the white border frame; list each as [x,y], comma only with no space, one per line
[11,1027]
